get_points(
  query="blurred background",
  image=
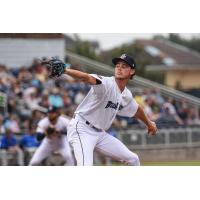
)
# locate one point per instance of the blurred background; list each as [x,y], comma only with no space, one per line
[167,86]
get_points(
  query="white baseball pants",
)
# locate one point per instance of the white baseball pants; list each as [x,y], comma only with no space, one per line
[48,146]
[85,139]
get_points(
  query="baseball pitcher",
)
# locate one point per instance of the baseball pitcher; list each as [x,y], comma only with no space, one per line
[107,98]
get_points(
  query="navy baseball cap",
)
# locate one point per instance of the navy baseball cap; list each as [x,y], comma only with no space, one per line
[126,58]
[53,109]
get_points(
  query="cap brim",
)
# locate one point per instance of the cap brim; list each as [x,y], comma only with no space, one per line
[115,60]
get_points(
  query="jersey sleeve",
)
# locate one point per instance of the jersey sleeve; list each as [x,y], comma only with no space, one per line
[41,126]
[129,110]
[101,88]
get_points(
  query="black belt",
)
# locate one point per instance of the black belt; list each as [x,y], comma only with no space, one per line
[88,123]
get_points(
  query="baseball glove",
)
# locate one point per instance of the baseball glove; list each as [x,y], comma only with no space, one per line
[55,67]
[50,130]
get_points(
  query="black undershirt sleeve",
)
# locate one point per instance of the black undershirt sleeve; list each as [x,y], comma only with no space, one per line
[98,82]
[40,136]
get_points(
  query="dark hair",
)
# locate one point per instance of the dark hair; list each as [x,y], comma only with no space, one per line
[132,75]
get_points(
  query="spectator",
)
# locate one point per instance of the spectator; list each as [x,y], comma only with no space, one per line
[158,97]
[45,99]
[12,123]
[29,143]
[193,117]
[21,107]
[170,111]
[147,108]
[55,99]
[167,119]
[32,97]
[183,110]
[9,147]
[66,99]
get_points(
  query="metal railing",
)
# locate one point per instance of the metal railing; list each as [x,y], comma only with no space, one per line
[97,67]
[165,138]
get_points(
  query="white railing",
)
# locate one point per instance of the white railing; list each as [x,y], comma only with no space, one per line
[165,138]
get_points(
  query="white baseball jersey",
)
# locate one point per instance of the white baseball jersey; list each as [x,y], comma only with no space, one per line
[49,145]
[105,101]
[61,124]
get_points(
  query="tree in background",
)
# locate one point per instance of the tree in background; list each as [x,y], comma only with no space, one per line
[193,43]
[86,48]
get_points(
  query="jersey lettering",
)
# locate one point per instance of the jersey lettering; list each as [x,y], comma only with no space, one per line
[110,104]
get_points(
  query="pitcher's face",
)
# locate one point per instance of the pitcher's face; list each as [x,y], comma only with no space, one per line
[123,70]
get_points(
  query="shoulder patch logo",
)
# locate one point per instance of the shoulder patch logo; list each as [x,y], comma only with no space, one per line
[100,76]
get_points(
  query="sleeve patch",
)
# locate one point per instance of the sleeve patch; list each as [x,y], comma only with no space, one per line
[100,76]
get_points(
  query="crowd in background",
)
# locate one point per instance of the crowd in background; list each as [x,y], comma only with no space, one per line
[166,111]
[29,92]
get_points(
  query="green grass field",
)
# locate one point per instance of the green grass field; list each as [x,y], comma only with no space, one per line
[178,163]
[165,163]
